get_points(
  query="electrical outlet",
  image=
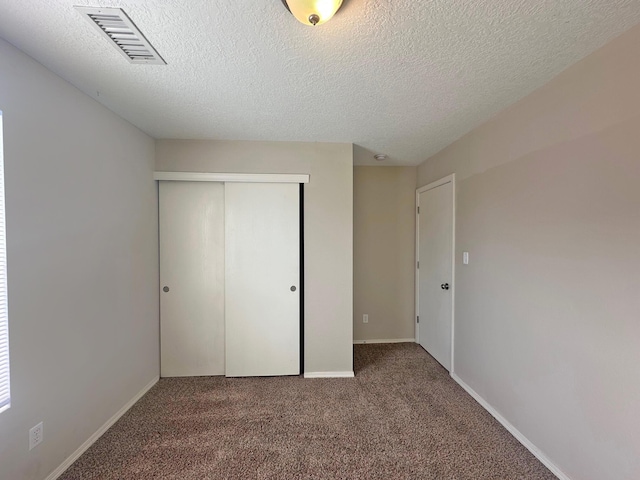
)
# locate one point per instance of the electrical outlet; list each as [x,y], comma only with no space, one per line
[36,436]
[365,318]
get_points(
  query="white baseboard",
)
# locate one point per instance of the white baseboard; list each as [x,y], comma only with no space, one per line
[386,340]
[513,430]
[92,439]
[329,375]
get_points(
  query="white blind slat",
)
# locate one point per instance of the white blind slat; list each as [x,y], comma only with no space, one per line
[5,391]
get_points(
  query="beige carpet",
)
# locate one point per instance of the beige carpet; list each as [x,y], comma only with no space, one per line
[402,417]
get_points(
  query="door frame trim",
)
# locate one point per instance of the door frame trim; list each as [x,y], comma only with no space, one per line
[438,183]
[231,177]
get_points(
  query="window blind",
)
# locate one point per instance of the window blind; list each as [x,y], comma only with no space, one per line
[5,393]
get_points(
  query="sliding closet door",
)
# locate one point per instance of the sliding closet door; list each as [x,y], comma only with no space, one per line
[262,295]
[191,278]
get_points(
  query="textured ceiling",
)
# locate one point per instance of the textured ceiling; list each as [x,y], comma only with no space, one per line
[401,77]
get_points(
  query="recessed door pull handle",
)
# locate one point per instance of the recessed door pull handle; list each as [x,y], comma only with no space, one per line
[165,289]
[293,288]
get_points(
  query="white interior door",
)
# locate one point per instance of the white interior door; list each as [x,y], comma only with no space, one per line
[435,272]
[262,295]
[191,278]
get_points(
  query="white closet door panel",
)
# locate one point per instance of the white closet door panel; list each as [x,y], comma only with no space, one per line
[192,268]
[262,265]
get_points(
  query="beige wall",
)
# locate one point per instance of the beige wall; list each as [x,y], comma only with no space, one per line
[384,250]
[328,228]
[547,311]
[82,237]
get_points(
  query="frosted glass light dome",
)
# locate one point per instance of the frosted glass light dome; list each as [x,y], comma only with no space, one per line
[313,12]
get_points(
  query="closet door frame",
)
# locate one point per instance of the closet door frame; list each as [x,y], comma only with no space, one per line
[232,177]
[300,179]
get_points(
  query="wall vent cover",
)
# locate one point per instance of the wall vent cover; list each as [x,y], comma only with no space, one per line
[116,26]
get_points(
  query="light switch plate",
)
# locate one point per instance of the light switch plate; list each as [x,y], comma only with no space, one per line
[465,258]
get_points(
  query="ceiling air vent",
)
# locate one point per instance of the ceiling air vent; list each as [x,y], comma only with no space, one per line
[115,25]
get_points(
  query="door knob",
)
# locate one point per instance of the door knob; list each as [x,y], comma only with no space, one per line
[444,286]
[293,288]
[165,289]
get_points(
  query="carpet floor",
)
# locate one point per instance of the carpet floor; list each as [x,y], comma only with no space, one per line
[401,417]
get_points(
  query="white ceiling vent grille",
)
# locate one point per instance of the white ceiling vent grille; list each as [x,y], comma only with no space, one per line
[115,25]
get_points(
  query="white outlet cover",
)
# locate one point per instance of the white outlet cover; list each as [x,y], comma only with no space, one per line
[36,435]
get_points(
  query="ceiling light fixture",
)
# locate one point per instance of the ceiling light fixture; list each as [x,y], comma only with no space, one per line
[380,157]
[313,12]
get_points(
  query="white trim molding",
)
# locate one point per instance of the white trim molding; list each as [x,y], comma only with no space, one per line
[232,177]
[386,340]
[430,186]
[93,438]
[513,430]
[348,374]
